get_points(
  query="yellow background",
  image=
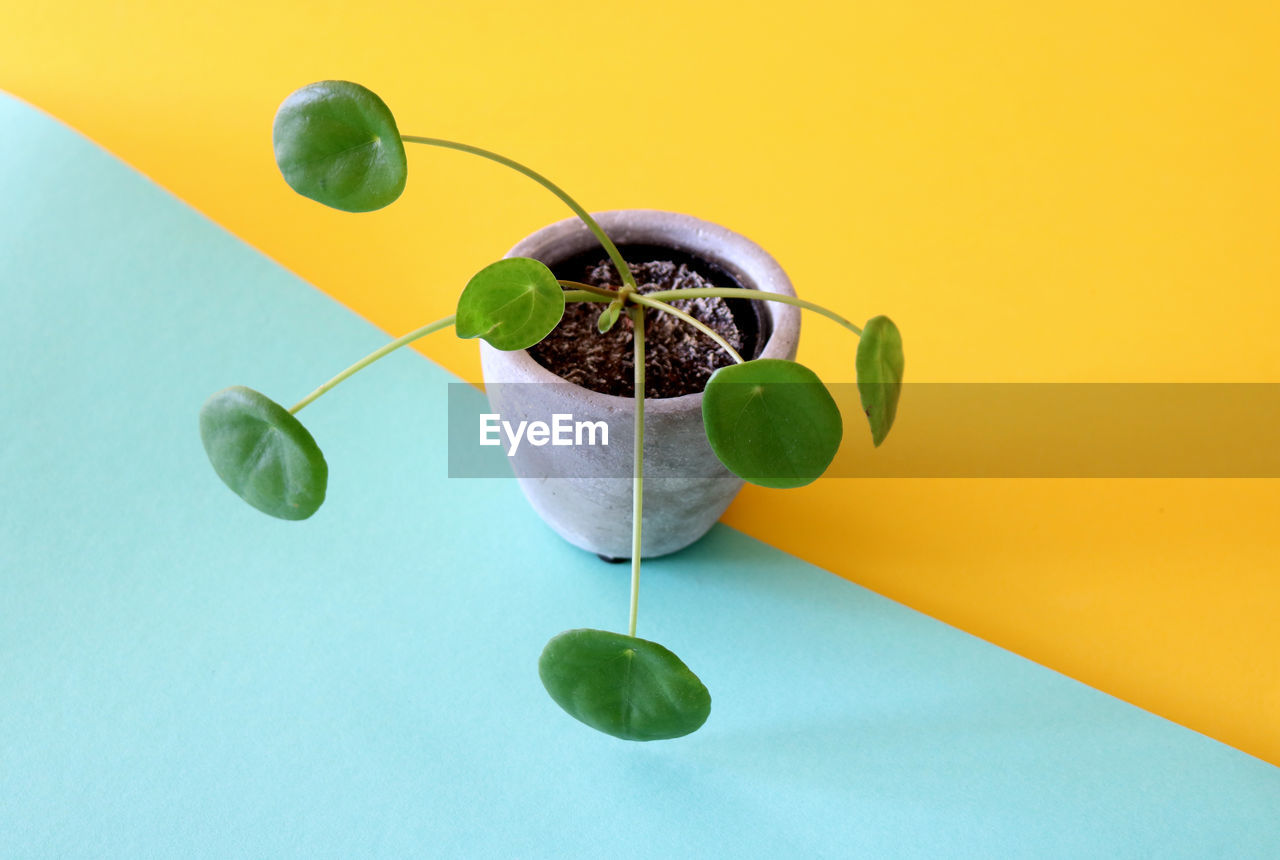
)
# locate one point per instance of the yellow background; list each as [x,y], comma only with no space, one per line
[1035,192]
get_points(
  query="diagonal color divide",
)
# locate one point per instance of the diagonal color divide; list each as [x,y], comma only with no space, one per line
[186,676]
[1083,192]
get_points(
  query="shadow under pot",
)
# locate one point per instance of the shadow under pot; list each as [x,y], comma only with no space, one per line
[581,486]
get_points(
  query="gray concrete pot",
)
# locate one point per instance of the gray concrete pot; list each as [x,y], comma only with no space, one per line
[584,493]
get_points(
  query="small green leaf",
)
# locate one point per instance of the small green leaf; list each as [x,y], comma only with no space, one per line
[608,316]
[771,422]
[263,453]
[880,365]
[337,142]
[630,688]
[512,304]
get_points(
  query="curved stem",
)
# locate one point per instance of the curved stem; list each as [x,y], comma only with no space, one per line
[590,288]
[681,315]
[607,243]
[758,295]
[637,493]
[584,296]
[374,356]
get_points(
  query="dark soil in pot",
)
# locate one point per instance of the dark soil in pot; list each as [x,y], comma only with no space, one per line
[679,358]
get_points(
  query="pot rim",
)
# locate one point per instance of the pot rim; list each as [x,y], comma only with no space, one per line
[744,259]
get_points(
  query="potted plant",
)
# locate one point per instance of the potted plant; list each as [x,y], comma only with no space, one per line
[763,417]
[584,492]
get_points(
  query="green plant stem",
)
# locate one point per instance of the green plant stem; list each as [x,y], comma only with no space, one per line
[681,315]
[758,295]
[607,243]
[590,288]
[372,357]
[584,296]
[637,493]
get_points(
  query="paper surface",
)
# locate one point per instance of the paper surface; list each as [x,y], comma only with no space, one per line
[182,676]
[1041,194]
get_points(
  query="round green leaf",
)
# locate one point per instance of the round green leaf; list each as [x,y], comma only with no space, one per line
[880,365]
[337,142]
[512,304]
[263,453]
[771,422]
[630,688]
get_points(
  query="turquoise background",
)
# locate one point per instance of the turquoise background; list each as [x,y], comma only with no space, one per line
[181,676]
